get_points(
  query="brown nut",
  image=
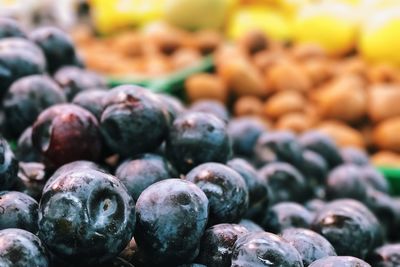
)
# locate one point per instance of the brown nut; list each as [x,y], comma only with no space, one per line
[386,159]
[206,86]
[156,65]
[386,134]
[248,105]
[384,102]
[296,122]
[207,41]
[243,78]
[383,73]
[185,57]
[342,134]
[353,65]
[284,102]
[307,51]
[253,42]
[318,70]
[128,44]
[342,99]
[266,59]
[287,75]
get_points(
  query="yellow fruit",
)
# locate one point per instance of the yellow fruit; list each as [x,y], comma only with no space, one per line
[270,21]
[197,14]
[332,26]
[380,37]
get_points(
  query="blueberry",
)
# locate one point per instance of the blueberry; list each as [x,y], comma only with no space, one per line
[250,225]
[339,261]
[309,244]
[10,28]
[385,256]
[18,58]
[323,145]
[32,178]
[171,218]
[141,172]
[217,244]
[56,45]
[353,155]
[225,189]
[133,121]
[349,226]
[91,100]
[345,181]
[285,182]
[74,80]
[264,249]
[211,106]
[86,216]
[314,167]
[117,262]
[64,133]
[20,248]
[278,146]
[286,215]
[244,132]
[173,105]
[374,178]
[197,138]
[18,210]
[386,210]
[27,98]
[315,204]
[192,265]
[258,190]
[25,151]
[8,166]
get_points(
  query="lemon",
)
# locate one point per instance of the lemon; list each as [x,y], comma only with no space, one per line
[270,21]
[380,36]
[197,14]
[332,26]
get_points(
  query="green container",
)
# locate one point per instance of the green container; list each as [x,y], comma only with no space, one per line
[393,177]
[170,84]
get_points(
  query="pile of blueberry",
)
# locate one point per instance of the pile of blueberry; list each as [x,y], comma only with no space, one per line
[125,177]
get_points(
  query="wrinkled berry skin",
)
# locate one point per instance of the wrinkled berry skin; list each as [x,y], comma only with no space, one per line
[211,106]
[356,156]
[340,261]
[143,171]
[197,138]
[244,132]
[74,80]
[8,166]
[315,204]
[91,100]
[27,98]
[86,217]
[284,182]
[25,151]
[56,45]
[171,218]
[264,249]
[64,133]
[18,58]
[10,28]
[309,244]
[32,178]
[323,145]
[133,121]
[375,179]
[217,244]
[345,181]
[278,146]
[18,210]
[314,167]
[286,215]
[258,190]
[349,226]
[20,248]
[225,189]
[250,225]
[173,106]
[385,256]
